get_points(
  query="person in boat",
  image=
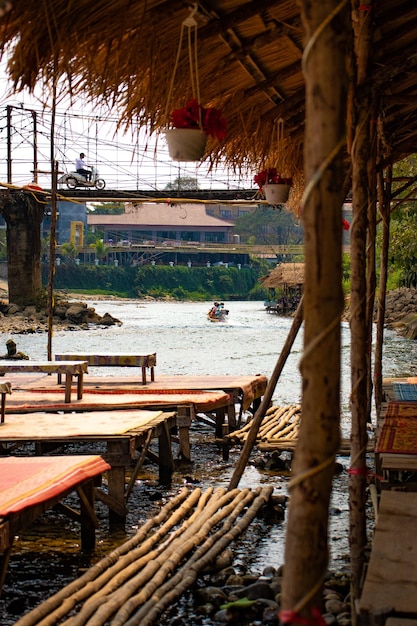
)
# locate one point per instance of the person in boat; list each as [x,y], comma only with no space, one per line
[213,310]
[221,310]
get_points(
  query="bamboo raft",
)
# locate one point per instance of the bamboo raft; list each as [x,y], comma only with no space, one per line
[138,581]
[280,424]
[279,431]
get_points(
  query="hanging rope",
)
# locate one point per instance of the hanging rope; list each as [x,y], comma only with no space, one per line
[191,25]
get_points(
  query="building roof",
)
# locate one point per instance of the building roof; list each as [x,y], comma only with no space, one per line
[290,274]
[160,215]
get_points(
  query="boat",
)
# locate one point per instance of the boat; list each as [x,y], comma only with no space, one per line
[218,313]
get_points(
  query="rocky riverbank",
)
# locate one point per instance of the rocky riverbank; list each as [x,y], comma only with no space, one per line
[66,315]
[401,312]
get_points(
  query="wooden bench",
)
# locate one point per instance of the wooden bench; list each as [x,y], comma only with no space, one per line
[32,485]
[69,368]
[115,360]
[390,584]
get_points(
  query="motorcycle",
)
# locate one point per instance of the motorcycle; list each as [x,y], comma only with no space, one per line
[73,180]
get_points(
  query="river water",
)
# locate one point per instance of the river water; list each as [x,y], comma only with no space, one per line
[248,343]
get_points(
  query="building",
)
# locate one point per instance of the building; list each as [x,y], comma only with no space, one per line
[162,222]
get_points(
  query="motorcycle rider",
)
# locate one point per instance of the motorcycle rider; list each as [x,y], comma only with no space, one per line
[81,167]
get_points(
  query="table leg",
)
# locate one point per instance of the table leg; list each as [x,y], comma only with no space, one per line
[6,544]
[152,374]
[144,375]
[87,515]
[80,385]
[166,461]
[68,383]
[220,419]
[3,406]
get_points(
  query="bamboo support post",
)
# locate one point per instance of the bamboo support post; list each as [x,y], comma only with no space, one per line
[260,413]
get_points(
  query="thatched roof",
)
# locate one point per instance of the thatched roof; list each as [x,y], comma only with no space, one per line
[122,54]
[284,274]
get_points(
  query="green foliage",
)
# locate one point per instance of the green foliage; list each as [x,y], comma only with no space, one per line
[69,250]
[268,226]
[183,183]
[101,249]
[107,208]
[179,282]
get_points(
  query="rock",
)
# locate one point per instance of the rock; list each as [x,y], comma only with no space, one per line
[401,311]
[66,316]
[77,313]
[109,320]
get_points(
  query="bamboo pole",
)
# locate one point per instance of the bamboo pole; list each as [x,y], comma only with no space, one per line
[327,34]
[106,601]
[384,191]
[362,159]
[260,413]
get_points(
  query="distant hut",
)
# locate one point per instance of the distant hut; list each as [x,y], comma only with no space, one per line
[285,286]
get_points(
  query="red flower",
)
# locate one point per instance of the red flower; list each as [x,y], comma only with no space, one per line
[271,176]
[193,115]
[345,224]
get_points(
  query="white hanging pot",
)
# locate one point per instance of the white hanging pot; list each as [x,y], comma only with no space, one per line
[186,144]
[276,193]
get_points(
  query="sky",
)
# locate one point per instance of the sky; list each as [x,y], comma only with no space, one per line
[122,161]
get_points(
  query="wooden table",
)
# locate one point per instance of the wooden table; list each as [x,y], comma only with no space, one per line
[246,390]
[186,403]
[396,447]
[67,368]
[29,486]
[122,433]
[391,577]
[115,360]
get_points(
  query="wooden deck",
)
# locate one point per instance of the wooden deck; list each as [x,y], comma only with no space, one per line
[69,369]
[391,578]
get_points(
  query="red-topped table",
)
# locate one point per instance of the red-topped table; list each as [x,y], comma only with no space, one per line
[31,485]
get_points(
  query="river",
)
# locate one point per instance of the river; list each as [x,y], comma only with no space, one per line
[249,342]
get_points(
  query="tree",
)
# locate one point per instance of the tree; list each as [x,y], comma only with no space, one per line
[269,226]
[69,250]
[107,208]
[101,249]
[183,183]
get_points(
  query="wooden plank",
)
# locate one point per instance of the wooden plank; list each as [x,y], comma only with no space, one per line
[391,578]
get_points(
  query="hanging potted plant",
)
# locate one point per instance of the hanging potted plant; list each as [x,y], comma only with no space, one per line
[275,187]
[190,127]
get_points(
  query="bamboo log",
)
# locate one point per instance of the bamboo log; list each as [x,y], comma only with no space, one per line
[107,603]
[187,576]
[56,606]
[146,593]
[260,413]
[138,559]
